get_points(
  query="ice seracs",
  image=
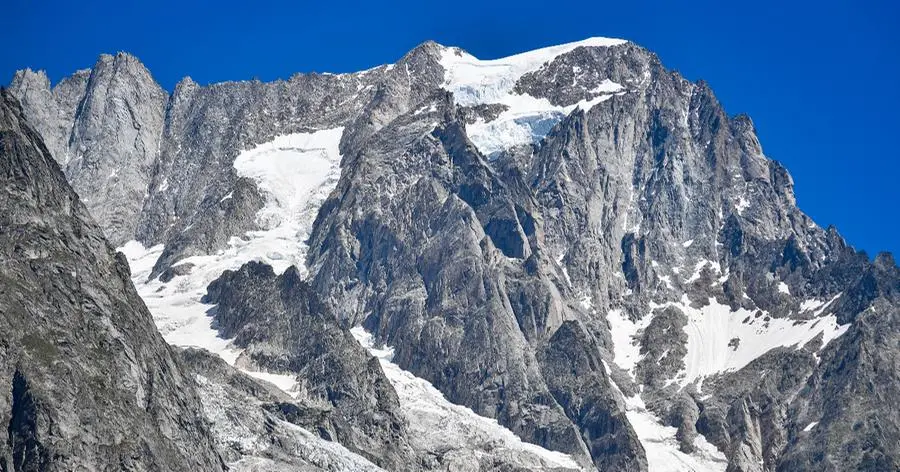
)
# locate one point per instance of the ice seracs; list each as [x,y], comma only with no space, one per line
[459,435]
[526,119]
[296,173]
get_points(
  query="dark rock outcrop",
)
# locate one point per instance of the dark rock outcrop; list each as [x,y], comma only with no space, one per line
[285,329]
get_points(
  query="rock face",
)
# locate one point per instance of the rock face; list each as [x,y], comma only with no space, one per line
[104,127]
[574,241]
[284,328]
[259,427]
[90,384]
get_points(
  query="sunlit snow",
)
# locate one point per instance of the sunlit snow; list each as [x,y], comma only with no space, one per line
[783,288]
[721,340]
[626,344]
[711,329]
[527,119]
[296,173]
[661,445]
[438,425]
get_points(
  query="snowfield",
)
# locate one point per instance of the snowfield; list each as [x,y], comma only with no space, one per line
[712,329]
[296,173]
[527,119]
[661,446]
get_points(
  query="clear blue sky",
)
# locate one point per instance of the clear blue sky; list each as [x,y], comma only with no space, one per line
[821,79]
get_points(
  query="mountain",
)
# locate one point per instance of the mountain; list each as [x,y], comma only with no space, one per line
[90,383]
[574,241]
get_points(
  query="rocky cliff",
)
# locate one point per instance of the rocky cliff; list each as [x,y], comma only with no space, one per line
[575,241]
[90,383]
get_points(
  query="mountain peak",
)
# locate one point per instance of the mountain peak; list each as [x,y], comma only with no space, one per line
[28,78]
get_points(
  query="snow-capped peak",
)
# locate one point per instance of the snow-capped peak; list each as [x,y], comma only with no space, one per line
[526,119]
[474,81]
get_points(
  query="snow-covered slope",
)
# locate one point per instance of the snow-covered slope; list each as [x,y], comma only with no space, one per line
[661,445]
[296,172]
[458,434]
[720,339]
[526,119]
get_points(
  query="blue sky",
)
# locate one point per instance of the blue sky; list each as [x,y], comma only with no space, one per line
[821,80]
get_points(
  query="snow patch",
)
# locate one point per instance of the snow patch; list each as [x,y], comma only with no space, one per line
[698,268]
[720,340]
[660,444]
[811,305]
[296,172]
[783,288]
[810,426]
[474,81]
[742,205]
[711,329]
[626,343]
[607,86]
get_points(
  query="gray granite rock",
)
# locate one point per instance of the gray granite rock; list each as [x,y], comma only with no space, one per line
[492,276]
[284,328]
[90,383]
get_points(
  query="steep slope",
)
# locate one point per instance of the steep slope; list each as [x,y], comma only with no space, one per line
[283,328]
[259,427]
[91,384]
[104,127]
[574,241]
[427,245]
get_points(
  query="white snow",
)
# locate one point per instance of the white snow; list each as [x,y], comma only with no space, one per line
[661,446]
[626,344]
[783,288]
[527,119]
[438,425]
[810,426]
[178,313]
[742,205]
[474,81]
[296,172]
[711,328]
[687,243]
[607,86]
[811,305]
[698,268]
